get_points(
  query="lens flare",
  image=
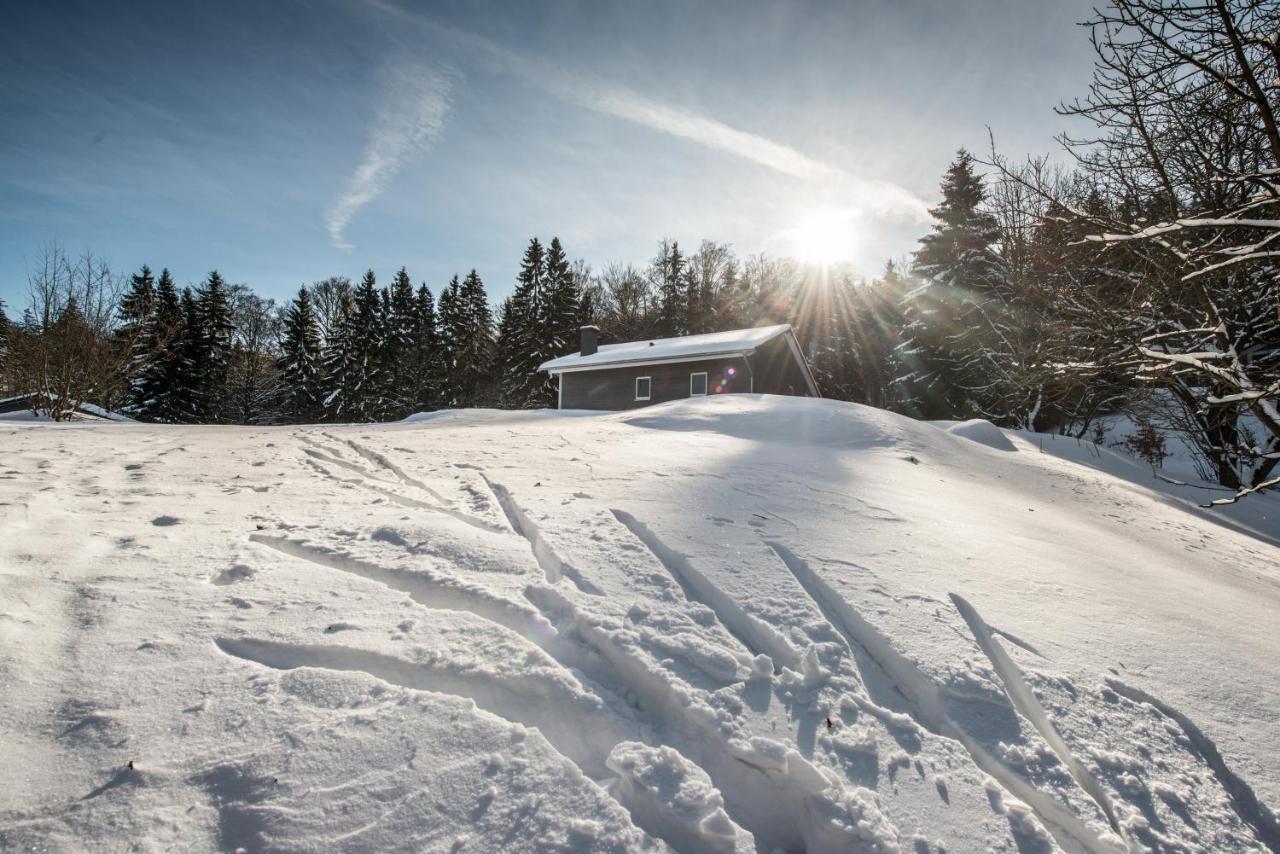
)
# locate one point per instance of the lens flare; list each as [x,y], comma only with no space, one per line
[825,235]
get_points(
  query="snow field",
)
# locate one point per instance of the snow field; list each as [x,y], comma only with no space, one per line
[722,625]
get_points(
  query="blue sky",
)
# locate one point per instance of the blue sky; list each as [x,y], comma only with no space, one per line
[285,141]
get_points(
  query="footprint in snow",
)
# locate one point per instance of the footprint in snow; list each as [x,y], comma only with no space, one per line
[235,574]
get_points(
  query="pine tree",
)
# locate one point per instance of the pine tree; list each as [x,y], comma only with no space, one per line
[426,361]
[451,334]
[510,362]
[133,317]
[341,378]
[366,344]
[398,365]
[136,305]
[669,269]
[561,316]
[523,339]
[300,362]
[212,342]
[158,355]
[475,354]
[188,395]
[952,315]
[563,304]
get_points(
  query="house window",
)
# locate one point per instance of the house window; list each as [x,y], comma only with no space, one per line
[642,388]
[698,384]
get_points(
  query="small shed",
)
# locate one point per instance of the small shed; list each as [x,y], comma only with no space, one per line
[764,360]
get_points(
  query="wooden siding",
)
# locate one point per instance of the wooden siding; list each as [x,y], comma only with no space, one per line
[775,369]
[615,387]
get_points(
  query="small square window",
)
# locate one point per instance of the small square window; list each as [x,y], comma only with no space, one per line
[698,385]
[642,388]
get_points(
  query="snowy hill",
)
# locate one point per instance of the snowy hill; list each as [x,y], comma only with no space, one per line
[741,623]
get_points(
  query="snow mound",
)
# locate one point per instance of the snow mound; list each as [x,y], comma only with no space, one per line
[491,416]
[779,419]
[983,432]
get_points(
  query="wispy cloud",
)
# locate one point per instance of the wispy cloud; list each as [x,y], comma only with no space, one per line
[883,197]
[880,197]
[413,109]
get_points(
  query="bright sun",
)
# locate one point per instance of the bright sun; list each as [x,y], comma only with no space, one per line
[825,236]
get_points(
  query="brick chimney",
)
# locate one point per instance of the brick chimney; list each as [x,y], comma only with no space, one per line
[590,340]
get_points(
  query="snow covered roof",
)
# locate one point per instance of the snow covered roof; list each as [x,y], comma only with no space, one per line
[733,342]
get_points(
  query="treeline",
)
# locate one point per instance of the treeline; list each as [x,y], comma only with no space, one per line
[341,351]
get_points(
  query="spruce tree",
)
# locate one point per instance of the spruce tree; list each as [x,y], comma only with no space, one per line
[563,304]
[669,268]
[475,354]
[213,344]
[543,320]
[367,401]
[188,396]
[426,360]
[133,317]
[950,317]
[562,308]
[523,336]
[158,354]
[398,363]
[340,378]
[451,335]
[136,305]
[300,362]
[540,322]
[510,361]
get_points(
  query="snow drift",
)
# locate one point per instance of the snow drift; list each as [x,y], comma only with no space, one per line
[740,623]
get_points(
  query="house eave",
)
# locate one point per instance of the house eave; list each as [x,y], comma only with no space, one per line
[798,355]
[639,363]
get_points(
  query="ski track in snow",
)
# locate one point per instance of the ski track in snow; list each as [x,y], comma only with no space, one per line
[769,797]
[1029,707]
[753,633]
[769,793]
[385,462]
[585,736]
[926,704]
[552,564]
[370,481]
[580,729]
[426,589]
[1252,811]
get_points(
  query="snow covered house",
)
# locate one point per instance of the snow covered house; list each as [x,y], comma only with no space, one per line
[764,360]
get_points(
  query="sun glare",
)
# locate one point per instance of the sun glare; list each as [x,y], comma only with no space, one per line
[825,236]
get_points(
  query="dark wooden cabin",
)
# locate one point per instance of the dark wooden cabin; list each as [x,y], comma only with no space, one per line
[765,360]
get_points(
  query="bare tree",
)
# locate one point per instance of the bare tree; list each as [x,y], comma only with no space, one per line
[625,312]
[326,297]
[1185,159]
[253,378]
[64,353]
